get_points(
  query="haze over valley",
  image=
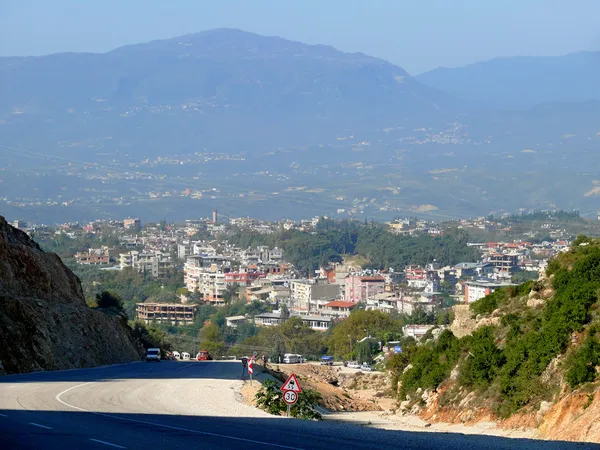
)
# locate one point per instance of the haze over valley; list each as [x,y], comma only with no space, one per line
[272,128]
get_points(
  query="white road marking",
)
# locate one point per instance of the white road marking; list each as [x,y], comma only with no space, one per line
[107,443]
[41,426]
[3,415]
[160,425]
[58,399]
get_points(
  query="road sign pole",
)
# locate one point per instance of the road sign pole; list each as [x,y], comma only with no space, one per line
[250,379]
[288,410]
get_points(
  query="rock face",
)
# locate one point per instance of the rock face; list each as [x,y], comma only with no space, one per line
[45,323]
[463,324]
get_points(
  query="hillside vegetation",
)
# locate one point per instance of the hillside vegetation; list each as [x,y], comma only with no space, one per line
[374,242]
[545,345]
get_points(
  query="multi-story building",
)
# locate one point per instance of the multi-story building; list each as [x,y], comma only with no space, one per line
[93,257]
[184,250]
[504,263]
[156,263]
[243,278]
[309,295]
[131,223]
[197,269]
[359,288]
[174,314]
[337,308]
[475,290]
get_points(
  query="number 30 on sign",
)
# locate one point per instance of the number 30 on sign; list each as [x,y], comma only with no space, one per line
[290,397]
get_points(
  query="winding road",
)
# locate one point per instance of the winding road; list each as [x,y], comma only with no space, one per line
[185,405]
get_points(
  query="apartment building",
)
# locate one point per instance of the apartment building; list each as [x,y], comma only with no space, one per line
[309,295]
[175,314]
[359,288]
[156,263]
[475,290]
[504,263]
[132,223]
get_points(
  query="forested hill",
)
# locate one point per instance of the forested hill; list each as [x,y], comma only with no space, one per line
[381,248]
[540,343]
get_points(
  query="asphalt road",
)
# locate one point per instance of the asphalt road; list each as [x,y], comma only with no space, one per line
[184,405]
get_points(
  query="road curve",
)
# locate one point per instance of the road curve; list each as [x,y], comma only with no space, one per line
[184,405]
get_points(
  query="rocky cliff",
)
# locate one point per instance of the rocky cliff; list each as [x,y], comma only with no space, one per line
[45,323]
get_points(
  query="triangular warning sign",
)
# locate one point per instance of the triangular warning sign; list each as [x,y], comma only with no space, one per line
[291,384]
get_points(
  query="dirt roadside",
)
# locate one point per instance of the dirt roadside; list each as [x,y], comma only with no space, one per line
[363,399]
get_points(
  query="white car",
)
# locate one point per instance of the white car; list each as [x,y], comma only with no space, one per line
[353,365]
[366,368]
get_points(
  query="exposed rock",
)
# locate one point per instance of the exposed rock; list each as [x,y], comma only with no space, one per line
[535,302]
[464,324]
[544,408]
[45,323]
[574,418]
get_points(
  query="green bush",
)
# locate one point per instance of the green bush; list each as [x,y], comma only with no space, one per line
[270,399]
[511,373]
[109,299]
[484,359]
[581,364]
[490,303]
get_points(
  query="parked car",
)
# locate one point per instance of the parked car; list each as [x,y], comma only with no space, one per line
[153,354]
[204,355]
[327,360]
[185,356]
[366,368]
[353,365]
[177,355]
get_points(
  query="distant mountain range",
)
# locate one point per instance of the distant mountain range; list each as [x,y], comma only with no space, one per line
[228,86]
[264,126]
[521,82]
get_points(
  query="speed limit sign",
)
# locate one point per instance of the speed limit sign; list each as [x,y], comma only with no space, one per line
[290,397]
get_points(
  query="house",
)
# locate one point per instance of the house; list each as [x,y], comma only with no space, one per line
[234,321]
[416,331]
[317,323]
[337,308]
[268,319]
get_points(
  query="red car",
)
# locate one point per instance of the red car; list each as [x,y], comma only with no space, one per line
[203,355]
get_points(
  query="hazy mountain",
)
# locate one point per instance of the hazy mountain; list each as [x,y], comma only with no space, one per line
[521,82]
[266,127]
[223,87]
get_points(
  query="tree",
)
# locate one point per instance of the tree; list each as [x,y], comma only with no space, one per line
[108,299]
[231,292]
[359,325]
[211,339]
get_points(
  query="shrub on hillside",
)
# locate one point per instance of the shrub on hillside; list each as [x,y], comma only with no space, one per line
[581,364]
[108,299]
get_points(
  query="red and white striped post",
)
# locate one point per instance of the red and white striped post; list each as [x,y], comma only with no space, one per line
[251,369]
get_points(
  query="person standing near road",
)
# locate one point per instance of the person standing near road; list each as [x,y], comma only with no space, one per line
[264,360]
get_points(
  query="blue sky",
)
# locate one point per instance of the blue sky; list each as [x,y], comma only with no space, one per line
[415,34]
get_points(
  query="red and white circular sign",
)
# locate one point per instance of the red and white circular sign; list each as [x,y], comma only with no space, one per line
[290,397]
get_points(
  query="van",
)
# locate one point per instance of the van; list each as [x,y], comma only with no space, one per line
[185,356]
[291,358]
[153,354]
[176,355]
